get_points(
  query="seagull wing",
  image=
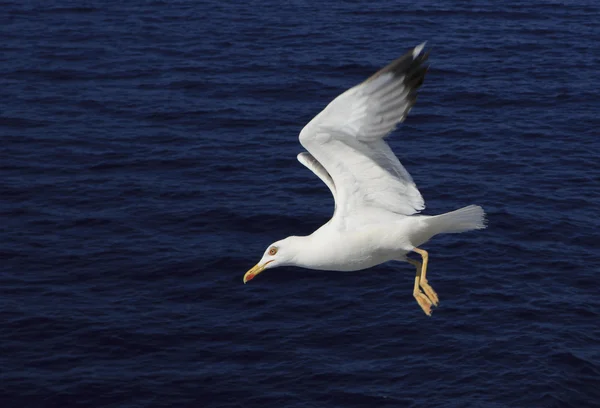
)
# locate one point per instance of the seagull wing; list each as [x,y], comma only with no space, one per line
[309,161]
[346,141]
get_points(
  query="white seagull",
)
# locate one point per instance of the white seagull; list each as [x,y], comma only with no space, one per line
[375,197]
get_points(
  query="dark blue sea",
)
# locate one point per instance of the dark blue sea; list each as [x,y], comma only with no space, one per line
[148,158]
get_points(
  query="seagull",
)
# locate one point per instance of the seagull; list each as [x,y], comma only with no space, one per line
[377,203]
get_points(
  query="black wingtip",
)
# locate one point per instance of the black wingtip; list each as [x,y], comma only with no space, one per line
[411,65]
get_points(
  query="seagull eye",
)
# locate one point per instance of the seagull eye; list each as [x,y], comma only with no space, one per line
[272,251]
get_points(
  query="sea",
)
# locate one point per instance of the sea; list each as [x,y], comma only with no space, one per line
[148,158]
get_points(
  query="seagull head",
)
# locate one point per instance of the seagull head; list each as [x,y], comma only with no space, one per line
[279,253]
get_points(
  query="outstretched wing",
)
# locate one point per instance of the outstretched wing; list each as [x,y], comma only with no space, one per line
[309,161]
[347,140]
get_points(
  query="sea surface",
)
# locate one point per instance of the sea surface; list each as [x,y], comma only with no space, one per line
[148,158]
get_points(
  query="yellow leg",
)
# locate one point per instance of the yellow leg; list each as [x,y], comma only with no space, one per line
[422,300]
[423,281]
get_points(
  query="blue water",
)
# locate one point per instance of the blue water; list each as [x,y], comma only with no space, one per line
[148,157]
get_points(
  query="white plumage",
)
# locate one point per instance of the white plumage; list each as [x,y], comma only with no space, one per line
[375,197]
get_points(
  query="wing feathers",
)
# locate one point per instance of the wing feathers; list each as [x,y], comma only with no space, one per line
[313,165]
[346,145]
[402,65]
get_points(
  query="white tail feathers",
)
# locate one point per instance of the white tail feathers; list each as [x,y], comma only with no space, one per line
[465,219]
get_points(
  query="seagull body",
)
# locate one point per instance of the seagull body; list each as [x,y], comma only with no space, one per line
[376,200]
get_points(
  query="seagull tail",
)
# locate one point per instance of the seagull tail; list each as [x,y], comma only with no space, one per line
[464,219]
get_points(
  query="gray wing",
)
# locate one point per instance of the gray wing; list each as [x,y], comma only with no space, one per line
[309,161]
[347,140]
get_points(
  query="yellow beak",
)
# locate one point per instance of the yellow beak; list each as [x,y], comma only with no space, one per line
[256,269]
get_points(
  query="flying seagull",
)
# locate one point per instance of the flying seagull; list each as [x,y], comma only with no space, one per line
[376,201]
